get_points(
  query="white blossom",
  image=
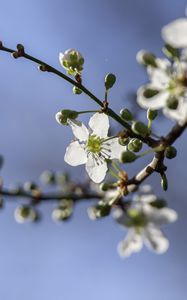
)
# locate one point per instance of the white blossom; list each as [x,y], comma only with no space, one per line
[92,146]
[143,221]
[168,85]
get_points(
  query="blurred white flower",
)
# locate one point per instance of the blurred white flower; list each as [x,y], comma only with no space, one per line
[167,89]
[72,61]
[143,221]
[175,33]
[92,146]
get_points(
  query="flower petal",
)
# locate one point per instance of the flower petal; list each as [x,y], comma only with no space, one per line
[99,123]
[132,243]
[160,216]
[79,130]
[158,76]
[115,148]
[179,114]
[96,169]
[154,239]
[175,33]
[75,154]
[156,102]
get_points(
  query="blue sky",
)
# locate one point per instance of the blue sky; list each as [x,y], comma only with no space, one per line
[78,259]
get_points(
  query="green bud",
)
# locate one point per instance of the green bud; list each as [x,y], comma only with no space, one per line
[105,186]
[76,90]
[171,152]
[171,52]
[123,141]
[126,114]
[60,214]
[101,210]
[110,79]
[140,128]
[158,203]
[146,58]
[47,177]
[65,114]
[135,145]
[164,182]
[149,93]
[151,114]
[128,157]
[172,103]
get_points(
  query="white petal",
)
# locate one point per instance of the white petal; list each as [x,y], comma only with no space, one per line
[179,114]
[79,130]
[175,33]
[120,216]
[115,148]
[132,243]
[75,154]
[96,170]
[158,76]
[156,102]
[155,240]
[160,216]
[99,123]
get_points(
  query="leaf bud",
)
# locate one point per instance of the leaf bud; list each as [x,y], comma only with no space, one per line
[105,186]
[146,58]
[126,114]
[128,157]
[171,152]
[140,128]
[110,79]
[135,145]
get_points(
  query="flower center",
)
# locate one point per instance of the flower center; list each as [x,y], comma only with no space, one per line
[94,144]
[178,84]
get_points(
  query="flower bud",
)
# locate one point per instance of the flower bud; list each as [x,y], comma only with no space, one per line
[135,145]
[101,210]
[126,114]
[164,182]
[30,186]
[110,79]
[76,90]
[151,114]
[72,61]
[105,186]
[128,157]
[146,58]
[171,152]
[47,177]
[140,128]
[172,103]
[63,116]
[60,214]
[25,213]
[123,141]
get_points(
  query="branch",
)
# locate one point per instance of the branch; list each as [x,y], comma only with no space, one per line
[148,140]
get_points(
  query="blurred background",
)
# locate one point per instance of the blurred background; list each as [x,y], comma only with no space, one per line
[78,259]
